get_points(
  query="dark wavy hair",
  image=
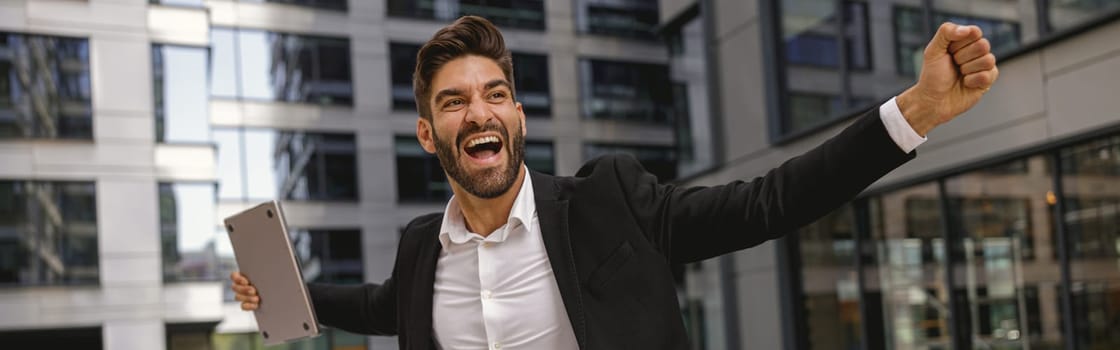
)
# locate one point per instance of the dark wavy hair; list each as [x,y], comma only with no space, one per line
[469,35]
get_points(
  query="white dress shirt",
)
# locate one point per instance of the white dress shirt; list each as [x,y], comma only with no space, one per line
[499,292]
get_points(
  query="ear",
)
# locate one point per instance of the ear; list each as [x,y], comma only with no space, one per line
[521,114]
[424,135]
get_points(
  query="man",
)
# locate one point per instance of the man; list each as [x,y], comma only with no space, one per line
[526,260]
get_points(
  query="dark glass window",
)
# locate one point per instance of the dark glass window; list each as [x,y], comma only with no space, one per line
[420,178]
[48,233]
[329,256]
[402,62]
[530,74]
[1091,184]
[269,66]
[331,339]
[526,14]
[636,19]
[179,85]
[658,160]
[255,164]
[1067,14]
[337,5]
[639,92]
[193,248]
[819,45]
[44,87]
[68,338]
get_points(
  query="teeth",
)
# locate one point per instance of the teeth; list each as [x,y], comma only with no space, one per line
[482,140]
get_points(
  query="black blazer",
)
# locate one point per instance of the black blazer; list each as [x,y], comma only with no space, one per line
[612,232]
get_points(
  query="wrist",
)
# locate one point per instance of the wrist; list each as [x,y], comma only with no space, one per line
[916,111]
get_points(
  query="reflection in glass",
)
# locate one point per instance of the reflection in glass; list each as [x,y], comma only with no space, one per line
[192,249]
[626,91]
[329,256]
[828,279]
[658,160]
[905,276]
[338,5]
[813,56]
[258,164]
[331,339]
[526,14]
[402,62]
[997,215]
[44,87]
[48,233]
[1067,14]
[260,65]
[1091,184]
[182,103]
[636,19]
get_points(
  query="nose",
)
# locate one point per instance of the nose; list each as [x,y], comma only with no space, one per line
[478,112]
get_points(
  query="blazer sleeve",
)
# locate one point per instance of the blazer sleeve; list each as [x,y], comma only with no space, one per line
[694,223]
[363,309]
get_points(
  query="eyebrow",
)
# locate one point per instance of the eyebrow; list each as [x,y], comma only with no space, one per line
[496,83]
[449,92]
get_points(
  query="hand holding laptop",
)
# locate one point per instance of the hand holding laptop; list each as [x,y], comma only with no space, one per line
[245,292]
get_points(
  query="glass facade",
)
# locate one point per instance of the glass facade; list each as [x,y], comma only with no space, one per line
[44,87]
[181,93]
[658,160]
[635,19]
[626,91]
[193,248]
[420,178]
[973,259]
[261,164]
[270,66]
[530,75]
[524,14]
[827,48]
[48,233]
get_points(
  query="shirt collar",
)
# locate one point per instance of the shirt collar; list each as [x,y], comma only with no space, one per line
[453,230]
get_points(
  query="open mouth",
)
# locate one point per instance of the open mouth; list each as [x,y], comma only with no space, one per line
[484,147]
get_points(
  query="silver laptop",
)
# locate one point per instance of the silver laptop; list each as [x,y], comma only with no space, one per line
[264,255]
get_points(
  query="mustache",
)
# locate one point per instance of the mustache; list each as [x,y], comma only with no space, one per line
[471,129]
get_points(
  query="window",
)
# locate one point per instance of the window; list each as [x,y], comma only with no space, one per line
[255,164]
[828,277]
[525,14]
[636,19]
[530,75]
[639,92]
[48,233]
[193,249]
[44,87]
[269,66]
[329,256]
[1067,14]
[180,89]
[67,338]
[331,339]
[420,178]
[819,45]
[1091,180]
[337,5]
[658,160]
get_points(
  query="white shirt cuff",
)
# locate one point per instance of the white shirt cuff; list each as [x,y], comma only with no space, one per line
[900,130]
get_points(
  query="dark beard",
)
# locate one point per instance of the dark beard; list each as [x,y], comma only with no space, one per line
[489,183]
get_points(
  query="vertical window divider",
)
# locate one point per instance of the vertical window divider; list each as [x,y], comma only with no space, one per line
[861,219]
[842,50]
[959,340]
[1068,325]
[1042,10]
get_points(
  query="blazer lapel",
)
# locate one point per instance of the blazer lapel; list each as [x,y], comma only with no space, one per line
[553,215]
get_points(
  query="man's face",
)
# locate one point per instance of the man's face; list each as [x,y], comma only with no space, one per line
[476,130]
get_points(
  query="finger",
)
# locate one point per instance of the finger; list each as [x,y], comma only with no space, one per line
[983,63]
[247,306]
[974,35]
[246,290]
[238,278]
[973,51]
[946,35]
[982,79]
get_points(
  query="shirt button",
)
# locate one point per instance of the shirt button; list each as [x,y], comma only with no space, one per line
[486,294]
[487,244]
[497,346]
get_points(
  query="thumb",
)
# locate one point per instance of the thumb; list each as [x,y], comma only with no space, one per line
[946,35]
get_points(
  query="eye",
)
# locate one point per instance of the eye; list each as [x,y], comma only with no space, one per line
[453,103]
[497,95]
